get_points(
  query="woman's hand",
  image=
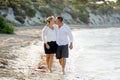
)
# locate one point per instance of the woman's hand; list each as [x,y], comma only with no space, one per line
[47,46]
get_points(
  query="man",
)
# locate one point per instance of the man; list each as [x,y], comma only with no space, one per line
[64,39]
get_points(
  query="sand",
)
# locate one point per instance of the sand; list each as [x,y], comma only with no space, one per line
[20,55]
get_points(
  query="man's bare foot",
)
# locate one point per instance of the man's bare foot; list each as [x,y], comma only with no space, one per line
[63,72]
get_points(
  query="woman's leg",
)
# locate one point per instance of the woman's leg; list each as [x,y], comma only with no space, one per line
[51,62]
[47,60]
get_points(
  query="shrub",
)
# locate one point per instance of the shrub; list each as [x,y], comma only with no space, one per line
[73,14]
[117,10]
[57,5]
[4,15]
[30,12]
[45,11]
[27,7]
[105,9]
[4,27]
[84,17]
[19,12]
[20,19]
[93,6]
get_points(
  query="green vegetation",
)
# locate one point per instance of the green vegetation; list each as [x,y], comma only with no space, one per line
[4,27]
[79,8]
[46,10]
[104,9]
[20,19]
[26,5]
[84,16]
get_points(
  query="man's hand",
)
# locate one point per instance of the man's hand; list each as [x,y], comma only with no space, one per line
[71,46]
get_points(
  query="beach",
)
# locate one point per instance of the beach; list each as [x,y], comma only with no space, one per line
[95,55]
[22,53]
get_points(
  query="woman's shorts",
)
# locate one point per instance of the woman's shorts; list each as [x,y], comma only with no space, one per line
[53,47]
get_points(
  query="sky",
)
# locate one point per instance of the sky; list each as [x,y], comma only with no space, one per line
[100,2]
[111,0]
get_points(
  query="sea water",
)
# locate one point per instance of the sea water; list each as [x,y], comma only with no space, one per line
[95,56]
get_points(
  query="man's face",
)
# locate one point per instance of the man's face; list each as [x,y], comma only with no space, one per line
[57,21]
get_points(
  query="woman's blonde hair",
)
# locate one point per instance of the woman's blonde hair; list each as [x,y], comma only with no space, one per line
[49,19]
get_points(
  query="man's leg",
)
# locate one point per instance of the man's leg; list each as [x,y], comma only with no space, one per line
[62,62]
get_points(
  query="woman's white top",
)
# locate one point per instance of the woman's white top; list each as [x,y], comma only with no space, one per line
[48,34]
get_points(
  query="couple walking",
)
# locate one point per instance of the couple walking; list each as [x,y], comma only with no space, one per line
[57,38]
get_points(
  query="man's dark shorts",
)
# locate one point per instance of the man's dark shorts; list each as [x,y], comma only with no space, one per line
[62,52]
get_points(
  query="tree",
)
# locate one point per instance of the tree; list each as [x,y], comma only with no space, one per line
[118,2]
[10,3]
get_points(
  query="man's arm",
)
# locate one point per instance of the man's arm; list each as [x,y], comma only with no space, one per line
[71,45]
[70,38]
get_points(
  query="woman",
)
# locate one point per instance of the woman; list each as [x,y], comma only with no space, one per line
[49,38]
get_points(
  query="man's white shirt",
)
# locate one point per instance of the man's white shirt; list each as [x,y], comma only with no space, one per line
[63,35]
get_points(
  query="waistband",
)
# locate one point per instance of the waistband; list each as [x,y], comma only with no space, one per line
[63,45]
[51,41]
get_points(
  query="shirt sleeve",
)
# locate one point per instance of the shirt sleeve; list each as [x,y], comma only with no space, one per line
[69,34]
[44,34]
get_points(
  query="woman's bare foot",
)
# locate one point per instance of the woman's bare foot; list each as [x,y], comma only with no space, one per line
[51,71]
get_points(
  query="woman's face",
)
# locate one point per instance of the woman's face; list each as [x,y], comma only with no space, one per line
[52,21]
